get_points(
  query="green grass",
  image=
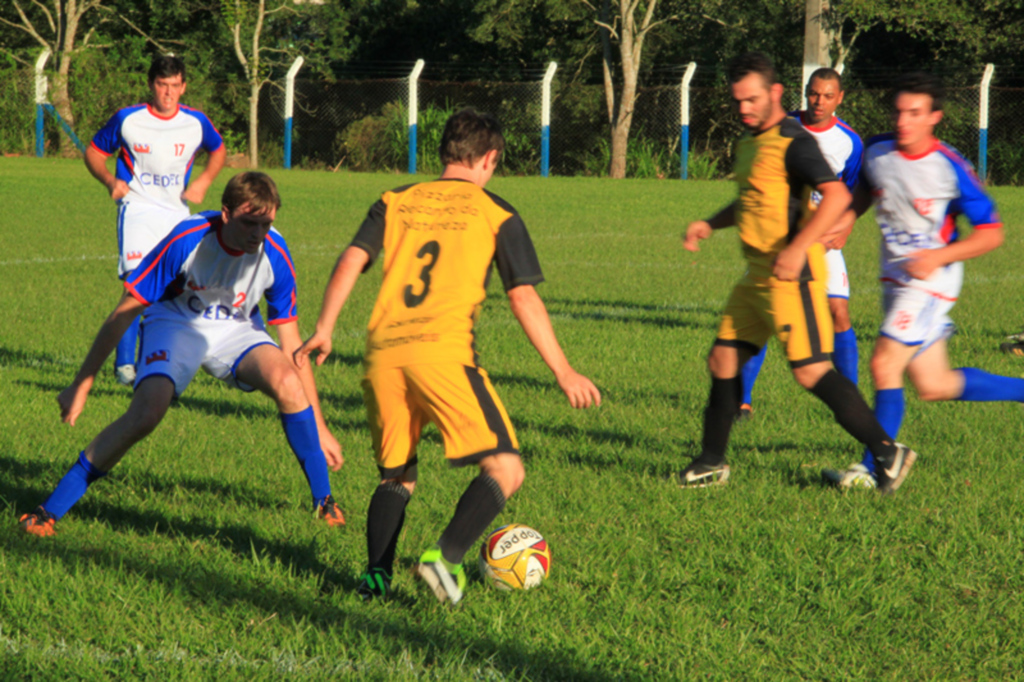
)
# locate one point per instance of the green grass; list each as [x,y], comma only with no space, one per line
[198,556]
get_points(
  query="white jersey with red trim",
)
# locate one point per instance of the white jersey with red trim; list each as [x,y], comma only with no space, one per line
[155,153]
[840,145]
[917,201]
[192,274]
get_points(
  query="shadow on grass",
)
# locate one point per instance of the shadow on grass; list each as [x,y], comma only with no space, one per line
[214,585]
[16,357]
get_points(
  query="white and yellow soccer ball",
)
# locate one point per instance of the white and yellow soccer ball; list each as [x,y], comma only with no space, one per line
[515,557]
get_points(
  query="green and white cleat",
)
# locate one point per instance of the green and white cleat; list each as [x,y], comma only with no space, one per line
[447,584]
[376,584]
[856,477]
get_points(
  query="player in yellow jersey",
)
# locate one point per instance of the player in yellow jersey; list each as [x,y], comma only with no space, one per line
[438,240]
[778,166]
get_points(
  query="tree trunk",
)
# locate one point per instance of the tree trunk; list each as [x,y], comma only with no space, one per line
[254,106]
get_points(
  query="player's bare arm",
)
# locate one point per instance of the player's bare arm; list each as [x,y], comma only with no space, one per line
[96,162]
[72,399]
[196,190]
[701,229]
[346,272]
[921,264]
[529,309]
[290,340]
[835,200]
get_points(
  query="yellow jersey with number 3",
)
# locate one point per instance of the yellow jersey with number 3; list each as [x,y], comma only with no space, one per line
[438,241]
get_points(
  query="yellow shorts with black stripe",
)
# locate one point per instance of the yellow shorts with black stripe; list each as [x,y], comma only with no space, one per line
[458,398]
[796,312]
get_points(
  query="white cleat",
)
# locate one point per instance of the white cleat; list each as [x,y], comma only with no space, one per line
[857,476]
[125,374]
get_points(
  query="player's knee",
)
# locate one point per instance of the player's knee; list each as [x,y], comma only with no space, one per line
[143,418]
[288,391]
[883,368]
[840,316]
[507,469]
[410,486]
[938,388]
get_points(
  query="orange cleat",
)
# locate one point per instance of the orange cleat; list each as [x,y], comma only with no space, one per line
[40,523]
[330,513]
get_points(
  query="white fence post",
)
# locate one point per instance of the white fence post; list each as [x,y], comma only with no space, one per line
[413,112]
[986,81]
[545,119]
[684,120]
[289,108]
[41,86]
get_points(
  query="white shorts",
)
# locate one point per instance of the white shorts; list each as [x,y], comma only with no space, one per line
[140,227]
[176,348]
[917,311]
[838,284]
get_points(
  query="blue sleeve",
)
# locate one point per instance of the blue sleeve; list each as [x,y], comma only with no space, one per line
[851,171]
[973,202]
[108,138]
[212,141]
[157,277]
[280,297]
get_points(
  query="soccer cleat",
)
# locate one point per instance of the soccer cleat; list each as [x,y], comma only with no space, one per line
[376,584]
[856,476]
[329,512]
[745,413]
[40,523]
[447,586]
[891,477]
[125,374]
[1013,347]
[701,475]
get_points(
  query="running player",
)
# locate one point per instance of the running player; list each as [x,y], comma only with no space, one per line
[920,186]
[438,241]
[156,144]
[201,289]
[778,165]
[843,150]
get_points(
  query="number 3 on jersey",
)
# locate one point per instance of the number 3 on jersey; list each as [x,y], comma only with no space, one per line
[432,249]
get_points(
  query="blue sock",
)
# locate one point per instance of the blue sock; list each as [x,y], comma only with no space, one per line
[889,406]
[126,346]
[845,355]
[300,429]
[750,372]
[985,387]
[71,488]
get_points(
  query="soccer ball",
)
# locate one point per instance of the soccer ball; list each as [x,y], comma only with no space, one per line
[515,557]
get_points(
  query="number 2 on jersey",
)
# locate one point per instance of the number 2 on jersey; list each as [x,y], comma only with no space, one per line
[432,249]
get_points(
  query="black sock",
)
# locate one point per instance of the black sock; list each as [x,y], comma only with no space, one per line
[384,521]
[853,414]
[478,506]
[723,406]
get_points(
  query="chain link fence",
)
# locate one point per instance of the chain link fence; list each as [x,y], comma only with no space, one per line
[361,122]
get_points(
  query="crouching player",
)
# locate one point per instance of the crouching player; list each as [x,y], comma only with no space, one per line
[439,239]
[201,287]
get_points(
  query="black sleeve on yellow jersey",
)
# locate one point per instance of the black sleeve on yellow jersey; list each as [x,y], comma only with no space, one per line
[515,255]
[370,237]
[804,162]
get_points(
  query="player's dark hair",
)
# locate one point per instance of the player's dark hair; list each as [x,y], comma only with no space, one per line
[253,188]
[752,62]
[165,66]
[469,135]
[921,83]
[827,74]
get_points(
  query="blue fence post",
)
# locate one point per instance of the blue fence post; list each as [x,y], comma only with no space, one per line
[289,108]
[40,100]
[986,81]
[545,119]
[64,125]
[413,112]
[684,120]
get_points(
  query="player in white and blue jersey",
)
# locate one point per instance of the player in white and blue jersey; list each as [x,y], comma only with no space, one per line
[201,288]
[843,151]
[156,145]
[920,186]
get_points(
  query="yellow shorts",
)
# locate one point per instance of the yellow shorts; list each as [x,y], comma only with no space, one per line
[796,312]
[458,398]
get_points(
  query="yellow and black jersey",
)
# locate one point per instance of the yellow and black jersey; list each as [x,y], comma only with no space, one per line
[439,239]
[777,171]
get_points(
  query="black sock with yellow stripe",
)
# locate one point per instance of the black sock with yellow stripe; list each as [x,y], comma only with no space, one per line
[478,506]
[384,521]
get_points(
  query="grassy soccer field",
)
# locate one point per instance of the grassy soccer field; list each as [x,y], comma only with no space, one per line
[198,557]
